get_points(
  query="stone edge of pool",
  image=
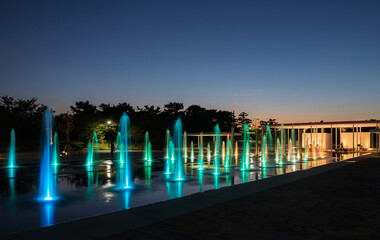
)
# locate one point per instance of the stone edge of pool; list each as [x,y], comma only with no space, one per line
[113,223]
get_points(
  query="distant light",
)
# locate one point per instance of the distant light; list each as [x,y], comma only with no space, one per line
[109,122]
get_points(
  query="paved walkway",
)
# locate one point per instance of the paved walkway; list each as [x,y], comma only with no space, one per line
[340,204]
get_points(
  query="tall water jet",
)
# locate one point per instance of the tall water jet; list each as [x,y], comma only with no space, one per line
[150,159]
[192,152]
[246,149]
[92,149]
[208,154]
[236,152]
[278,151]
[47,188]
[146,146]
[170,160]
[178,138]
[306,154]
[167,142]
[290,150]
[200,157]
[89,153]
[12,151]
[223,150]
[229,154]
[56,150]
[125,175]
[269,148]
[264,148]
[294,145]
[184,145]
[217,149]
[283,141]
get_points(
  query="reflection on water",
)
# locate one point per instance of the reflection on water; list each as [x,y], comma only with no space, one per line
[47,213]
[174,189]
[216,181]
[126,199]
[90,190]
[200,181]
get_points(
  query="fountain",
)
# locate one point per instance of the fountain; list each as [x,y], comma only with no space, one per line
[92,150]
[279,151]
[223,150]
[178,138]
[229,155]
[12,151]
[123,141]
[200,157]
[47,188]
[246,149]
[264,148]
[267,145]
[208,154]
[170,159]
[283,141]
[184,145]
[147,148]
[56,150]
[290,150]
[167,142]
[236,152]
[192,152]
[150,159]
[217,150]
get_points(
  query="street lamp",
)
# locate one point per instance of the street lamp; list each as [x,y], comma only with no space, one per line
[109,122]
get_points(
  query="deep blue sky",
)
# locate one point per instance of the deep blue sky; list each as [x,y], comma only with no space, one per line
[289,60]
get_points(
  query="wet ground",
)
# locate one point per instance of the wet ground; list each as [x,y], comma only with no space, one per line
[340,204]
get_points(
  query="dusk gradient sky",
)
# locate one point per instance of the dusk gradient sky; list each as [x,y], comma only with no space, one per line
[290,60]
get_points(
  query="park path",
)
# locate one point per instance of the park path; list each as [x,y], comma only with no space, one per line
[340,204]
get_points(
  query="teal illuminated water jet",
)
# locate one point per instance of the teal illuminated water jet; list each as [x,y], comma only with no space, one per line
[229,155]
[125,176]
[12,151]
[178,137]
[246,149]
[185,146]
[47,186]
[217,150]
[147,148]
[192,152]
[167,141]
[92,150]
[56,150]
[200,157]
[169,163]
[267,145]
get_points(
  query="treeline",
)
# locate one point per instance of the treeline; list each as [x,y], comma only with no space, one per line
[77,126]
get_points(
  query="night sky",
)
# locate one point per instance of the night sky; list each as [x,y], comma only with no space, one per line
[289,60]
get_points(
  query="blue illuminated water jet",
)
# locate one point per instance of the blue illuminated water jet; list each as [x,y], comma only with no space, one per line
[177,140]
[123,141]
[47,188]
[217,150]
[92,150]
[12,151]
[246,149]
